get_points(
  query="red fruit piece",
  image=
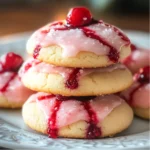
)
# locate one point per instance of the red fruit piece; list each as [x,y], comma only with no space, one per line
[78,16]
[10,62]
[143,75]
[133,47]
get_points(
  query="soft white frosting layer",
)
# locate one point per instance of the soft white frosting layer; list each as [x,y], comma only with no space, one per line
[72,110]
[74,40]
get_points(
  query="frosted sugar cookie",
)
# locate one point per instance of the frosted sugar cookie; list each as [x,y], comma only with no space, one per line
[77,117]
[43,77]
[79,41]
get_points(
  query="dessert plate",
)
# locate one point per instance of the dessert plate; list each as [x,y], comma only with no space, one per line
[15,134]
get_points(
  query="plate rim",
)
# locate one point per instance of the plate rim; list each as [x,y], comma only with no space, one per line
[118,142]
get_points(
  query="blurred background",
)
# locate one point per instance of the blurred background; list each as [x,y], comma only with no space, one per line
[27,15]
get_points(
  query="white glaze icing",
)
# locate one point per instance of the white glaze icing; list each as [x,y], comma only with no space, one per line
[74,40]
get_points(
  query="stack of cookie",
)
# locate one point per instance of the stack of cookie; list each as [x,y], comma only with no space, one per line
[75,67]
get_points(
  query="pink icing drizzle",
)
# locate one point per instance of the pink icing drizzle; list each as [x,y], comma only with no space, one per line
[10,84]
[138,58]
[93,110]
[138,94]
[12,88]
[99,38]
[37,66]
[70,75]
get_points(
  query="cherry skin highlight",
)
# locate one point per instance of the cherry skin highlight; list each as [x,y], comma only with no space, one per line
[143,75]
[78,17]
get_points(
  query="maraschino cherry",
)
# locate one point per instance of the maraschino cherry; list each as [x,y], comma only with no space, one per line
[10,62]
[78,17]
[143,75]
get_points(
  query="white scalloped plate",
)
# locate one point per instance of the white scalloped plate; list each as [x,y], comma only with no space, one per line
[14,133]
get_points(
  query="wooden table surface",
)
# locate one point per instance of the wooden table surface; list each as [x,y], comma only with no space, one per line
[21,19]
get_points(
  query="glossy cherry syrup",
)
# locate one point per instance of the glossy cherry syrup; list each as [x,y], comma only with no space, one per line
[10,62]
[52,127]
[113,53]
[43,97]
[133,47]
[142,77]
[92,131]
[123,37]
[81,18]
[36,51]
[72,80]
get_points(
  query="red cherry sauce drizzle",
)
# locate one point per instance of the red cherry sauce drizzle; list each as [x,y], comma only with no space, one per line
[123,37]
[29,65]
[38,47]
[142,77]
[43,97]
[4,88]
[52,127]
[92,132]
[36,51]
[113,53]
[72,80]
